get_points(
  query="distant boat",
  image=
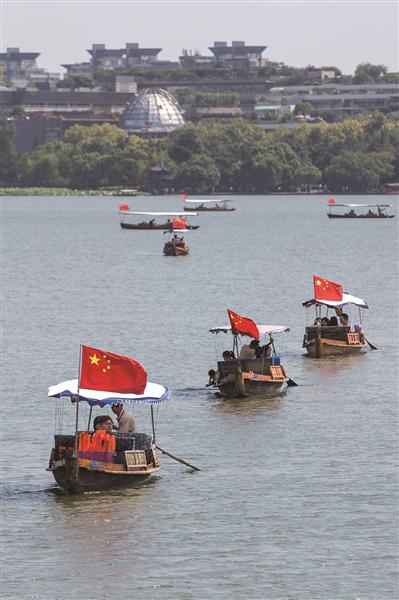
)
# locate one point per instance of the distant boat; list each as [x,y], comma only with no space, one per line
[380,213]
[176,246]
[208,205]
[152,224]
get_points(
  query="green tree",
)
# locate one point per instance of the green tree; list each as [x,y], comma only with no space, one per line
[199,173]
[8,156]
[353,171]
[184,143]
[368,73]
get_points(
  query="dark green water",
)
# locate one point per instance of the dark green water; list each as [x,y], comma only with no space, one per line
[298,495]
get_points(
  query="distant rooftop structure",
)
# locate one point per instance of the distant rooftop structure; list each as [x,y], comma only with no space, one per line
[238,56]
[130,56]
[16,64]
[153,112]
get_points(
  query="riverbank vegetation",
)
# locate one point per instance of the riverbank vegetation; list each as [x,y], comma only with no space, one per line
[354,155]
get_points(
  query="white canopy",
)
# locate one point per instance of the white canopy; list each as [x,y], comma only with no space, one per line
[158,213]
[154,393]
[346,299]
[199,201]
[263,329]
[361,205]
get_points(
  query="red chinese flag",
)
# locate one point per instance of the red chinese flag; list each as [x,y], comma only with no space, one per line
[123,207]
[179,224]
[243,325]
[101,370]
[331,201]
[326,290]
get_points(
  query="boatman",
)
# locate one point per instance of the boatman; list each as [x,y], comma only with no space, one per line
[126,423]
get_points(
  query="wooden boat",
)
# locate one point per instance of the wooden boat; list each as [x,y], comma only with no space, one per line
[246,377]
[77,469]
[88,472]
[176,247]
[351,214]
[208,206]
[334,340]
[148,226]
[152,224]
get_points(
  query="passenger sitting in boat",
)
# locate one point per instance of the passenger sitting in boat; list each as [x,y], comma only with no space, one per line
[371,214]
[266,350]
[352,213]
[343,320]
[248,351]
[333,322]
[227,355]
[325,322]
[213,377]
[317,321]
[103,422]
[126,423]
[152,222]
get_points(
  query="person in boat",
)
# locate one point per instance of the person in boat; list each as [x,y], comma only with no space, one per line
[343,320]
[266,350]
[152,222]
[317,322]
[248,351]
[126,423]
[371,214]
[228,355]
[325,322]
[333,322]
[380,211]
[213,377]
[103,422]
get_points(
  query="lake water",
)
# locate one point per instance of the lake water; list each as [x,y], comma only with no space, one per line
[298,495]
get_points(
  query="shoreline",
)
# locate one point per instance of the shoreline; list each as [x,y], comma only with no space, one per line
[65,192]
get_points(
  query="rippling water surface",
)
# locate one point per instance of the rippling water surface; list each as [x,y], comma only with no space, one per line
[298,495]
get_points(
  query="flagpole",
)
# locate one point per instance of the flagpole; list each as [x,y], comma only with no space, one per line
[77,403]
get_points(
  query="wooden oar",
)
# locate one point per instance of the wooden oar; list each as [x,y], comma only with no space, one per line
[180,460]
[371,345]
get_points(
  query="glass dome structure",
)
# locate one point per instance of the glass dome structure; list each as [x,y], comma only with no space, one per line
[152,112]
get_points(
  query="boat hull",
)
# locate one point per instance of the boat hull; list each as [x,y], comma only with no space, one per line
[332,216]
[320,348]
[74,478]
[171,249]
[250,389]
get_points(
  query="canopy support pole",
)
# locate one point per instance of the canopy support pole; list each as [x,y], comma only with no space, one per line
[88,424]
[152,423]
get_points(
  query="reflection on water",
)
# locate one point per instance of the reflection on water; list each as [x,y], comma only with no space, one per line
[298,495]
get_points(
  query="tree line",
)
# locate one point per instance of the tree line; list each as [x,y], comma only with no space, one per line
[354,155]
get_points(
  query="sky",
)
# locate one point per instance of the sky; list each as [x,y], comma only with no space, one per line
[341,33]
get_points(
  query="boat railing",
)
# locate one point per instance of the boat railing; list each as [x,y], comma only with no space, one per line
[256,365]
[64,447]
[331,332]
